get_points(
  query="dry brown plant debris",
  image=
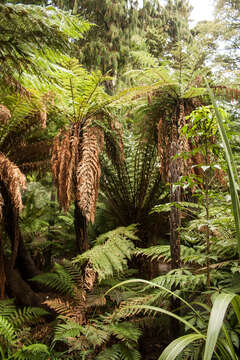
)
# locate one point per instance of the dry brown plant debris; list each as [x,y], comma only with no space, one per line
[76,168]
[5,114]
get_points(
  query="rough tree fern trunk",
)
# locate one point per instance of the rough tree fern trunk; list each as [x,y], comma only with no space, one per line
[81,229]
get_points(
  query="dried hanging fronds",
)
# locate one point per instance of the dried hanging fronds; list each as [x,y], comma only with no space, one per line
[64,160]
[76,168]
[29,153]
[88,173]
[13,180]
[47,99]
[40,166]
[5,114]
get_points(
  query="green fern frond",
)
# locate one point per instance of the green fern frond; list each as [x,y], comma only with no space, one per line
[65,331]
[7,331]
[162,252]
[181,278]
[125,331]
[119,352]
[126,232]
[7,308]
[110,257]
[33,352]
[24,27]
[28,315]
[96,335]
[60,280]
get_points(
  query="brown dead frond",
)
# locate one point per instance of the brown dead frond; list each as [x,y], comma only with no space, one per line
[90,277]
[76,168]
[88,173]
[95,300]
[47,100]
[40,166]
[67,308]
[64,159]
[13,181]
[5,114]
[30,153]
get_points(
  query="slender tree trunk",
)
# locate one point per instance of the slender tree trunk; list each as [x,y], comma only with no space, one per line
[48,252]
[81,230]
[175,223]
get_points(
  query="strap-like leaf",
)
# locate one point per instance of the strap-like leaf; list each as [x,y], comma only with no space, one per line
[218,312]
[177,346]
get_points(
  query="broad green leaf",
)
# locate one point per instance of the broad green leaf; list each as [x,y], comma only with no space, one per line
[177,346]
[215,324]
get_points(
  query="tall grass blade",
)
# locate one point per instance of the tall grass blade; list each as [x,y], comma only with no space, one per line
[155,286]
[232,171]
[178,345]
[218,312]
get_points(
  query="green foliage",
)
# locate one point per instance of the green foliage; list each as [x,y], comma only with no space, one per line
[32,352]
[60,280]
[232,171]
[12,321]
[119,352]
[25,27]
[111,256]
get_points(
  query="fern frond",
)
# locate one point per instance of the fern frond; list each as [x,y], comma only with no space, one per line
[60,280]
[14,181]
[96,335]
[125,331]
[24,27]
[110,257]
[27,315]
[63,332]
[124,231]
[33,352]
[7,331]
[181,278]
[119,352]
[88,174]
[162,252]
[7,308]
